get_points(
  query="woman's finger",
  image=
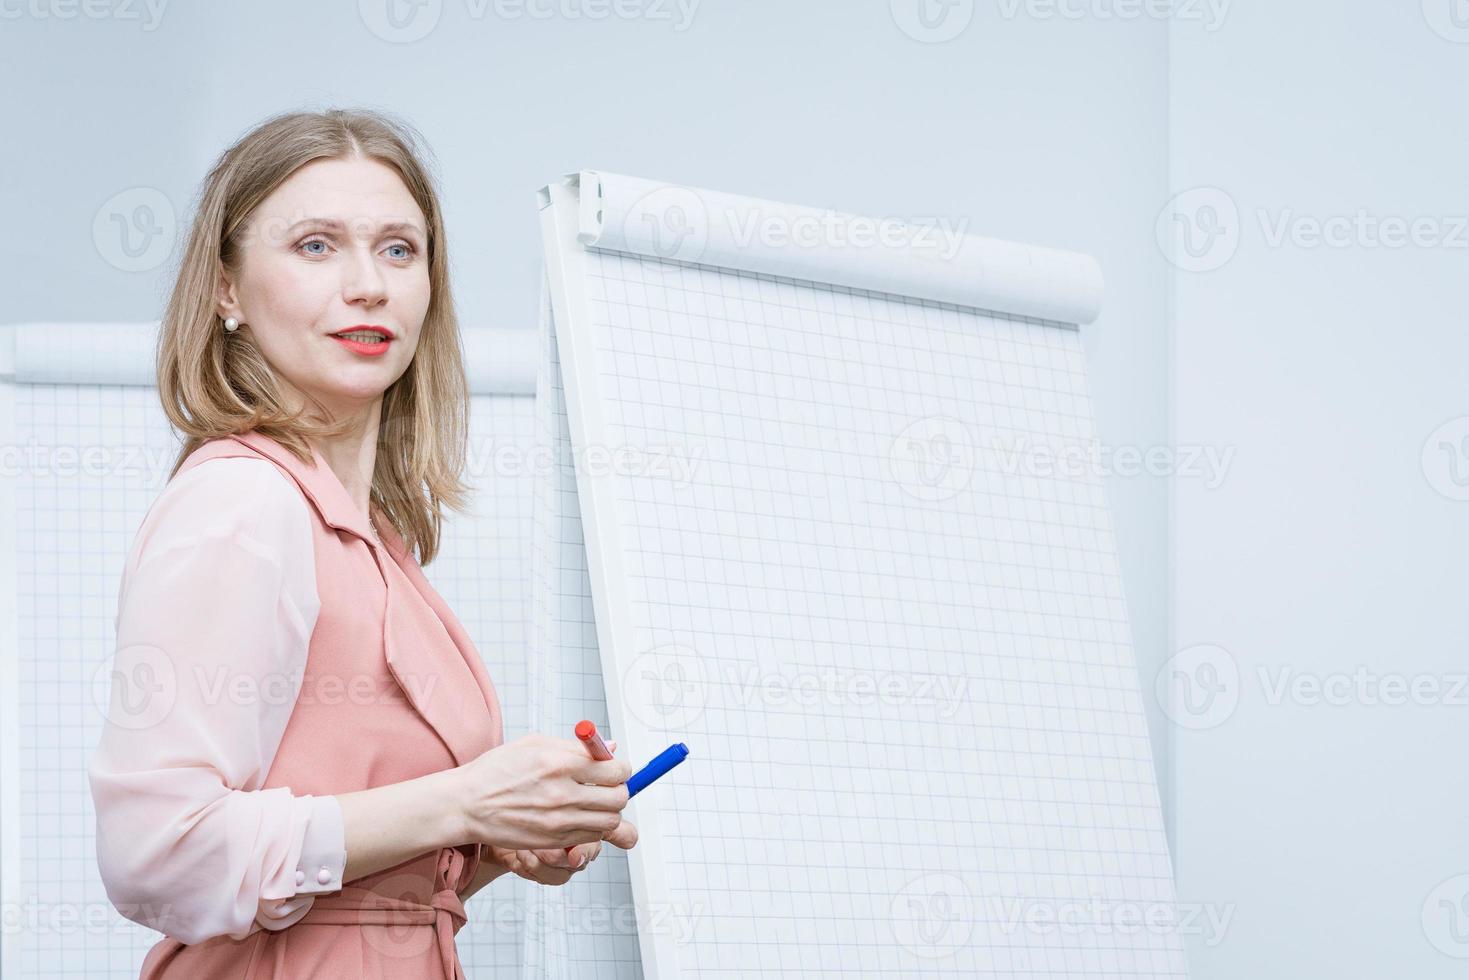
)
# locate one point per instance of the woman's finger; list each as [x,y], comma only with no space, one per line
[542,872]
[559,857]
[625,835]
[550,872]
[606,798]
[613,772]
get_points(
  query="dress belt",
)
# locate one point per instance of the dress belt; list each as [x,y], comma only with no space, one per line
[444,911]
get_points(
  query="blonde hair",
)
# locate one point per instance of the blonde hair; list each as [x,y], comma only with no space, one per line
[214,383]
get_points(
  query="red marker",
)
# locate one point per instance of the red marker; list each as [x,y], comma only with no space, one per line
[587,732]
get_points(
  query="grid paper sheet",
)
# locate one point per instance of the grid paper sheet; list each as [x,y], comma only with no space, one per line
[896,646]
[74,526]
[587,927]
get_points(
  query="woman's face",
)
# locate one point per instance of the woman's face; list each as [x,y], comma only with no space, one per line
[340,244]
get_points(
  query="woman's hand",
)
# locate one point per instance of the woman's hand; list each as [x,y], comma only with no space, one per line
[555,866]
[545,867]
[540,793]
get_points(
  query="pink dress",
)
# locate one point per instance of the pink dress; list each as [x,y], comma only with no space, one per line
[271,654]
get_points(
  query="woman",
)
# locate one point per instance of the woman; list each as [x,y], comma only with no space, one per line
[302,772]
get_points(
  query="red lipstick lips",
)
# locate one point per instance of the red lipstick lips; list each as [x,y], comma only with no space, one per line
[370,348]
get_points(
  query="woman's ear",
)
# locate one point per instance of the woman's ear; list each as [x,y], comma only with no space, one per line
[225,303]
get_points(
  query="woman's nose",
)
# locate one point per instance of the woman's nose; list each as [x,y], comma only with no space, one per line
[362,280]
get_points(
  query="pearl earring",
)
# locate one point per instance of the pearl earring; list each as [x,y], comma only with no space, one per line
[231,324]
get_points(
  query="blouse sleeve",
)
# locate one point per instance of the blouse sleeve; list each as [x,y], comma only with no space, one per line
[215,613]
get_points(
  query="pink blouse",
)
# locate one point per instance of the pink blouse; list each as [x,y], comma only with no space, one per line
[216,609]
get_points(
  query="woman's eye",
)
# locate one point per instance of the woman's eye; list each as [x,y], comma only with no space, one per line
[404,251]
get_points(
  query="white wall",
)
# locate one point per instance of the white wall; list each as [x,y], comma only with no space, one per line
[1329,548]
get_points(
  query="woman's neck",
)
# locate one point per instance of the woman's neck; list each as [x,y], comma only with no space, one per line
[353,458]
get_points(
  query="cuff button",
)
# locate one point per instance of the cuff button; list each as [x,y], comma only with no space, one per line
[300,877]
[324,875]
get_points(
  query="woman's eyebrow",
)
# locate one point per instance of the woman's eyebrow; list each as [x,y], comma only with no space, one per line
[332,224]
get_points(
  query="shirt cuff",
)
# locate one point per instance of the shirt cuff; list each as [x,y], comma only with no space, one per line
[323,849]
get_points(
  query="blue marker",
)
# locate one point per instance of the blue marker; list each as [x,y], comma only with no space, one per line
[661,763]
